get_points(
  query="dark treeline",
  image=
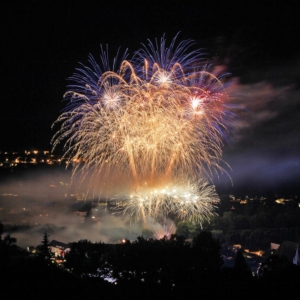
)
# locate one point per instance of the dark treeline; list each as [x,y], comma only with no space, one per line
[167,268]
[253,225]
[142,269]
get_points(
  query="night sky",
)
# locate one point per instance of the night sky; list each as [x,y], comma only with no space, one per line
[257,41]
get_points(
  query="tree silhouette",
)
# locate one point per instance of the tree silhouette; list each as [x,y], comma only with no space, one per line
[240,265]
[5,246]
[45,247]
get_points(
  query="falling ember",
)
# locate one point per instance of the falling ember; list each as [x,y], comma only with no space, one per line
[161,117]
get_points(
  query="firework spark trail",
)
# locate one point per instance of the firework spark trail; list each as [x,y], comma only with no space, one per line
[185,199]
[161,115]
[165,230]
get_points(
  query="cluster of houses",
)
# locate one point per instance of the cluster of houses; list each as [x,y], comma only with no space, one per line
[58,249]
[253,257]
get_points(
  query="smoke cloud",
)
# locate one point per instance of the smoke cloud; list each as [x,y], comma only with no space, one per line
[37,202]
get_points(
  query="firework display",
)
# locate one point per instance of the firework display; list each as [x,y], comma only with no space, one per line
[158,119]
[182,199]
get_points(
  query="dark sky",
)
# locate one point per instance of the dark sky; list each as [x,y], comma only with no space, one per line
[41,45]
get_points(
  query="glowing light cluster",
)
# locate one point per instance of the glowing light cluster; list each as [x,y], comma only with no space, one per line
[160,116]
[182,199]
